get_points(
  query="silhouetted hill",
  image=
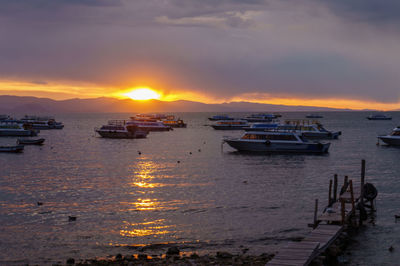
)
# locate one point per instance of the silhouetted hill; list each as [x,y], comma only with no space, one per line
[33,105]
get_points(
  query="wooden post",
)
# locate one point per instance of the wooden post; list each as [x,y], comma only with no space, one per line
[330,193]
[362,181]
[345,184]
[343,210]
[315,213]
[334,187]
[352,196]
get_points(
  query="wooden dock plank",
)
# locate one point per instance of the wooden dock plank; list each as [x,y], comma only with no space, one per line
[296,253]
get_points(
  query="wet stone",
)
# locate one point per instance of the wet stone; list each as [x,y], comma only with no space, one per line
[173,251]
[224,255]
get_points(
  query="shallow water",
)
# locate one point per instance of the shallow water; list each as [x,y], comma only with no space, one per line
[212,199]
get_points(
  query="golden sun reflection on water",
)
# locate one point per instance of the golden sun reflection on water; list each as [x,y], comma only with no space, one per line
[144,174]
[156,227]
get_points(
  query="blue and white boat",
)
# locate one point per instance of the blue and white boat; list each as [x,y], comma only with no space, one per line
[12,128]
[304,128]
[271,142]
[220,117]
[260,118]
[263,126]
[230,125]
[121,129]
[44,122]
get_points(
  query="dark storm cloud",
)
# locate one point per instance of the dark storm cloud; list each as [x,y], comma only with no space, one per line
[221,48]
[370,11]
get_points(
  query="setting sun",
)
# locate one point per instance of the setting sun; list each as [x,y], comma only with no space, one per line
[143,94]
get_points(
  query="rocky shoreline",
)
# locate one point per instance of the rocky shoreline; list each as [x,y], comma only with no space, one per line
[175,257]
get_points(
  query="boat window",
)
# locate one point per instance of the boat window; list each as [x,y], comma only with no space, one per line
[254,136]
[396,133]
[282,137]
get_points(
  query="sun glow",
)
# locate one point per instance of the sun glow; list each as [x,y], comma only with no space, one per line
[143,94]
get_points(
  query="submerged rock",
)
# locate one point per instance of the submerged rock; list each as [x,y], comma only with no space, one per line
[173,251]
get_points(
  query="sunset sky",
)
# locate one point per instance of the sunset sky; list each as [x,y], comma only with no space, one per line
[341,53]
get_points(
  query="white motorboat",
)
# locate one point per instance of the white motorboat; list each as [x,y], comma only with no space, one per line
[379,117]
[305,128]
[44,122]
[270,142]
[121,129]
[149,125]
[8,129]
[393,138]
[230,125]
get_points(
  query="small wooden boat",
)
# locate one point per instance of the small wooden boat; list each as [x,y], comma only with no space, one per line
[18,148]
[30,141]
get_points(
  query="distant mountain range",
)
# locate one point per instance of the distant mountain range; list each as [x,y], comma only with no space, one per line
[32,105]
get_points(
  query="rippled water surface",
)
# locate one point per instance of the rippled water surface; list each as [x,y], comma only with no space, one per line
[182,188]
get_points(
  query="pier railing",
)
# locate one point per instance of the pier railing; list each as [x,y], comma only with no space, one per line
[345,208]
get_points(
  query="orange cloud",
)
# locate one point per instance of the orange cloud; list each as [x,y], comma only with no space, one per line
[62,91]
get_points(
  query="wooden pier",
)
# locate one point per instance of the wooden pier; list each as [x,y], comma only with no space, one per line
[345,208]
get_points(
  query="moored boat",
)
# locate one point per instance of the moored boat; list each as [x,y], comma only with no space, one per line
[260,118]
[9,129]
[121,129]
[14,149]
[220,117]
[230,125]
[314,116]
[270,142]
[171,121]
[393,138]
[262,126]
[379,117]
[149,125]
[44,122]
[30,141]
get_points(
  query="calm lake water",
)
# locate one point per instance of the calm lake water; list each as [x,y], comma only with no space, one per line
[213,199]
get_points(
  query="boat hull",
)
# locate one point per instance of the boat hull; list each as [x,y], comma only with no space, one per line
[12,149]
[154,128]
[17,133]
[379,118]
[122,135]
[222,118]
[216,127]
[390,140]
[275,147]
[30,141]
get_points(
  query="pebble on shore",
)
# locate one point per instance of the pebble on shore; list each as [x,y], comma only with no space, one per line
[221,258]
